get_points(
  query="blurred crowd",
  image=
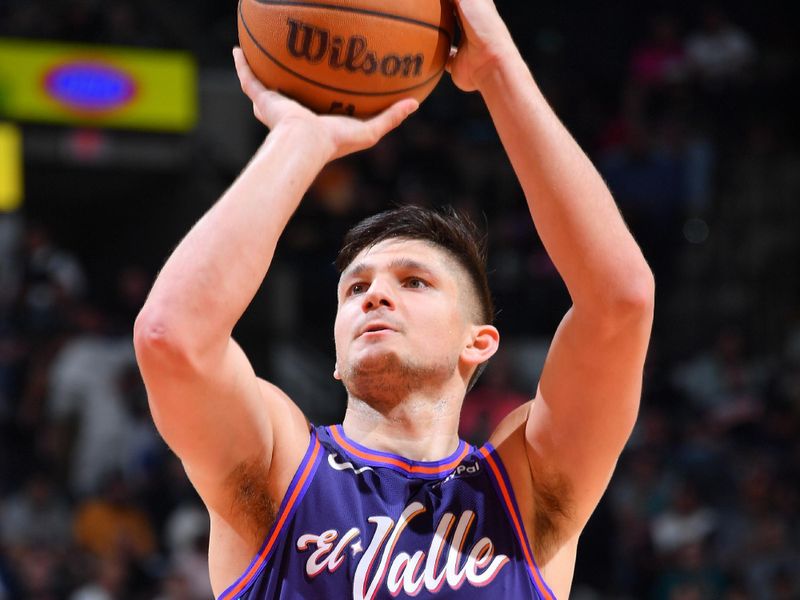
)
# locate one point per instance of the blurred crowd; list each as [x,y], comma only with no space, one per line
[201,28]
[695,140]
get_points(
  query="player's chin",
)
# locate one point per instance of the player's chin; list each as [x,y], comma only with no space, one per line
[375,358]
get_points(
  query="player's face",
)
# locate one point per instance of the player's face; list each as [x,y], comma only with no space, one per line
[402,315]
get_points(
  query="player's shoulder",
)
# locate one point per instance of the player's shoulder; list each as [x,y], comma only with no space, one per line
[270,390]
[508,441]
[511,430]
[279,404]
[539,491]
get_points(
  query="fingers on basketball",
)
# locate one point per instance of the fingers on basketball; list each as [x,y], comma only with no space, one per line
[250,85]
[383,123]
[347,57]
[261,97]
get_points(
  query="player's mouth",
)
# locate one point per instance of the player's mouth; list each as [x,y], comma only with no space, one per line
[375,329]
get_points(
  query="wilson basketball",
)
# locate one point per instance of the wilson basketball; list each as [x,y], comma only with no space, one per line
[354,57]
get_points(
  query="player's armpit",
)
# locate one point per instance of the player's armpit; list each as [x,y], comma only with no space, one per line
[543,496]
[224,424]
[583,414]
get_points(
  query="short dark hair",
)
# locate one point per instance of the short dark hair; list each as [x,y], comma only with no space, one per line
[446,228]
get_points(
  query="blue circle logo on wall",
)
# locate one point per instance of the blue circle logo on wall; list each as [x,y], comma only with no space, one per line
[90,87]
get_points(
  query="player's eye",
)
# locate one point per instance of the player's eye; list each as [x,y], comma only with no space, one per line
[357,288]
[416,282]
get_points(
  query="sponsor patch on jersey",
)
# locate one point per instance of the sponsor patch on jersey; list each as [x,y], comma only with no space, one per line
[461,471]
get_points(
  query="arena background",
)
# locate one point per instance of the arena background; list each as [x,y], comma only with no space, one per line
[690,113]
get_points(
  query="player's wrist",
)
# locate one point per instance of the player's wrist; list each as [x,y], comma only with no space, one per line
[496,70]
[306,136]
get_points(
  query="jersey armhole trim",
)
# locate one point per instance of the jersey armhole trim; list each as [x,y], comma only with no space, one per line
[505,492]
[291,500]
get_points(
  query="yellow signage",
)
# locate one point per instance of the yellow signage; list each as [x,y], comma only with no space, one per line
[99,86]
[10,167]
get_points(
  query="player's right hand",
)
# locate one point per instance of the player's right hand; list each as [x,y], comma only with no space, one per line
[338,135]
[485,43]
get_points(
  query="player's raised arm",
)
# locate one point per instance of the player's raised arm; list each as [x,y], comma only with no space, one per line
[205,398]
[589,391]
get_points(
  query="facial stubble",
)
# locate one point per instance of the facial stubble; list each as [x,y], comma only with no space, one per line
[385,380]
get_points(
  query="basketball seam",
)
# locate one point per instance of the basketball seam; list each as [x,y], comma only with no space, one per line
[361,11]
[323,85]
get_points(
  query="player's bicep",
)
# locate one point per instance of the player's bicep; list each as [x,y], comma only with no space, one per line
[585,408]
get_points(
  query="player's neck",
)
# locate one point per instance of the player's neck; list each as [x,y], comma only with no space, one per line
[418,428]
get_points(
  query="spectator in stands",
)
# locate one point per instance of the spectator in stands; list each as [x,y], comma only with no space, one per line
[721,383]
[40,574]
[720,52]
[721,58]
[192,564]
[112,525]
[52,280]
[772,564]
[175,587]
[36,516]
[109,583]
[187,533]
[650,188]
[691,575]
[686,521]
[660,59]
[85,388]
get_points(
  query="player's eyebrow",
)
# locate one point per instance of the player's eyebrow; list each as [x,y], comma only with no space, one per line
[406,264]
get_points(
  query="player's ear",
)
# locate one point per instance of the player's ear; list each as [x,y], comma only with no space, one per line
[483,344]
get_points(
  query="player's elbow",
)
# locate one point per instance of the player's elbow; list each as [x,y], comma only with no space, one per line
[154,336]
[637,296]
[628,302]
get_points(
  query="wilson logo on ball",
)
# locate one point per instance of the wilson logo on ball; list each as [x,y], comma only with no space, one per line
[316,44]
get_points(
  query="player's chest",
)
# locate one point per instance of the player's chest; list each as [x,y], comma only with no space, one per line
[426,539]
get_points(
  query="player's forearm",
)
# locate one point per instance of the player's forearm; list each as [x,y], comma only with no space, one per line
[572,208]
[213,274]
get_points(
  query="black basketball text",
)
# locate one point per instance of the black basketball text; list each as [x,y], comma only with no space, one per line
[316,44]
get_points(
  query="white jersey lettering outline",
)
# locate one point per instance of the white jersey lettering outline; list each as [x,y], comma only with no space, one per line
[324,542]
[409,573]
[344,466]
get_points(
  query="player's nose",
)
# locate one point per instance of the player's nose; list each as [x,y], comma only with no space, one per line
[377,295]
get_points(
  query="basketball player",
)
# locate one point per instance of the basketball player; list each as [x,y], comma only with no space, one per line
[390,503]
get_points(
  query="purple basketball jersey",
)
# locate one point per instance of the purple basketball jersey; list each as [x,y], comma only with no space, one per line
[365,525]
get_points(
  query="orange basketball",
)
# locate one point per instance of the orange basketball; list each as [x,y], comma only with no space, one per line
[352,57]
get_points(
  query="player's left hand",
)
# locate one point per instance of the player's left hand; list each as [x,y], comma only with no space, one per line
[335,135]
[485,42]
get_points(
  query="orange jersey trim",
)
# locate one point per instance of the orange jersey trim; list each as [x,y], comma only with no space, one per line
[537,578]
[397,461]
[256,565]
